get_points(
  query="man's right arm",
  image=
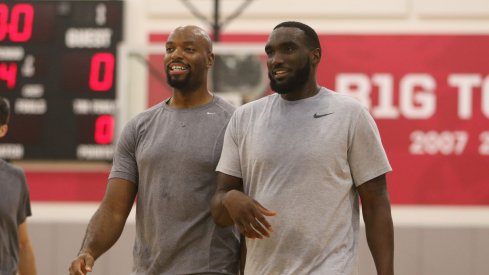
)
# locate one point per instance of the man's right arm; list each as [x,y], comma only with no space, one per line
[230,205]
[106,225]
[27,263]
[225,184]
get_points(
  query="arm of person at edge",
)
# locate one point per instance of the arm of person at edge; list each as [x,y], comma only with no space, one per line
[231,206]
[27,263]
[242,254]
[106,225]
[378,223]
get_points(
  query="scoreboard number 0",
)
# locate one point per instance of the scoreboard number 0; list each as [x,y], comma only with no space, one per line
[12,20]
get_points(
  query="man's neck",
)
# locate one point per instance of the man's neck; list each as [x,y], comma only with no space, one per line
[307,91]
[185,100]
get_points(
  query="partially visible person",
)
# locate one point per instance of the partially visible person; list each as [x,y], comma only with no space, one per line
[294,165]
[167,156]
[16,254]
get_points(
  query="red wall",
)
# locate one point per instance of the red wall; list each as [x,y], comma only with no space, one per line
[435,118]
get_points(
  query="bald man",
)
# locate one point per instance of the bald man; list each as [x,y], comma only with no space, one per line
[166,156]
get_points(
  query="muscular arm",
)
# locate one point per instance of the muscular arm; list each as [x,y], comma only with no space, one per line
[231,206]
[220,213]
[106,225]
[378,223]
[27,263]
[225,184]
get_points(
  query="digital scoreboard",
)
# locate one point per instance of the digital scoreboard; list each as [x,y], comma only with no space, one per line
[58,71]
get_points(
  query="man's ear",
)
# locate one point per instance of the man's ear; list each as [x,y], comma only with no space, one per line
[3,130]
[210,60]
[316,56]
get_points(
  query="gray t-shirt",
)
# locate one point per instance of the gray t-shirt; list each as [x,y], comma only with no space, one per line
[304,159]
[171,155]
[15,207]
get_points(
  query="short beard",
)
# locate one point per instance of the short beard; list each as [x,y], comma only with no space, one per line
[177,84]
[295,82]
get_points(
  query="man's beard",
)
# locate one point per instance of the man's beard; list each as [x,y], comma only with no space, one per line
[177,83]
[294,82]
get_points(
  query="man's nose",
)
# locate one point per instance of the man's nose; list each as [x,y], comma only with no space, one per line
[275,59]
[177,53]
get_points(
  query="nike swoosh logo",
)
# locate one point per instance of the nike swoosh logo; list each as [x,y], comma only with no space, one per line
[316,115]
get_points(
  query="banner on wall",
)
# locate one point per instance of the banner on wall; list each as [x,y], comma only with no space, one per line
[429,95]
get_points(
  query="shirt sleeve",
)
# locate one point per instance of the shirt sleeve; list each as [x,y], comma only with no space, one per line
[230,163]
[366,154]
[24,209]
[124,164]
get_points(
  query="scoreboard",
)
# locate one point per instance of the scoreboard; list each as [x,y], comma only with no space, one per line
[58,71]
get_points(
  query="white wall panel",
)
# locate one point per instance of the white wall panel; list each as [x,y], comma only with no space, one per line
[428,240]
[326,16]
[480,242]
[446,251]
[283,8]
[452,8]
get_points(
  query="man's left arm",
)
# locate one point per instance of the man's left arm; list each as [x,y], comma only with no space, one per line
[378,223]
[27,263]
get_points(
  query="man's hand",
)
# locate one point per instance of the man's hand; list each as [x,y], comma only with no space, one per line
[82,264]
[248,215]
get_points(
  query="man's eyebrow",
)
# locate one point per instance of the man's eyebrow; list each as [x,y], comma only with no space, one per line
[287,43]
[282,44]
[184,43]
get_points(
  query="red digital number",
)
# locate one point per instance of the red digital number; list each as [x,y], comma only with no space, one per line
[101,82]
[3,21]
[8,73]
[104,129]
[13,29]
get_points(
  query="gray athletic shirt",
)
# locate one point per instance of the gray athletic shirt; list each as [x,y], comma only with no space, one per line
[171,155]
[304,159]
[15,207]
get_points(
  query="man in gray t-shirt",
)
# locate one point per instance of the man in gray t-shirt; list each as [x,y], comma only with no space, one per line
[294,165]
[167,156]
[16,254]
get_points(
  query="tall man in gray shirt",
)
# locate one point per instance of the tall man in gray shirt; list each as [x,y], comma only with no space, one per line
[293,166]
[167,156]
